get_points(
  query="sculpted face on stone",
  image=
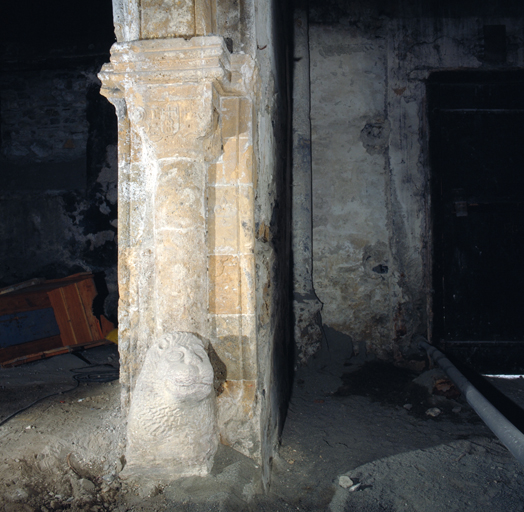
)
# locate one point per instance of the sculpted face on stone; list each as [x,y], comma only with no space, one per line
[186,365]
[172,425]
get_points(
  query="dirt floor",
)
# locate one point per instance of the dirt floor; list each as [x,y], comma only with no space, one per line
[357,438]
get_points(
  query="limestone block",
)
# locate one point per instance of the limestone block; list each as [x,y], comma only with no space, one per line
[249,347]
[175,18]
[236,116]
[167,61]
[224,285]
[236,165]
[235,344]
[247,283]
[172,425]
[247,219]
[245,161]
[223,219]
[229,350]
[178,121]
[179,198]
[238,415]
[126,18]
[230,160]
[205,17]
[231,284]
[179,260]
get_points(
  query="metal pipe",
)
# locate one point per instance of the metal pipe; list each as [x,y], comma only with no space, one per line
[508,434]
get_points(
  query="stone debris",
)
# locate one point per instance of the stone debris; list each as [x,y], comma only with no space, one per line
[408,407]
[86,485]
[433,412]
[345,482]
[445,387]
[120,463]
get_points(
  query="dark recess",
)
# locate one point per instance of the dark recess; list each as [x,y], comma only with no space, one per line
[476,130]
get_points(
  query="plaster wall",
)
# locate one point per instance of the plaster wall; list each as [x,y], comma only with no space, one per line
[306,306]
[371,227]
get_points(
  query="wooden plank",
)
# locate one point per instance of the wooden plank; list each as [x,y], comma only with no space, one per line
[36,297]
[75,278]
[18,360]
[25,326]
[72,301]
[11,303]
[52,284]
[87,293]
[63,319]
[27,349]
[77,314]
[19,286]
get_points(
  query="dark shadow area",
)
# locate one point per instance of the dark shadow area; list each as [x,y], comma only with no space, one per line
[476,128]
[219,369]
[58,138]
[507,407]
[38,381]
[395,387]
[498,357]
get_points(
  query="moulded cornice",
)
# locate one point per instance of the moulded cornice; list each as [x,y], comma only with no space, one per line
[167,61]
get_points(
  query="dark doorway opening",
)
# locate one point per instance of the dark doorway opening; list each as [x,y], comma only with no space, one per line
[477,160]
[58,145]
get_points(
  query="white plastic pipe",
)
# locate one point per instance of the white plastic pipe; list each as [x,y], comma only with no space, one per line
[510,436]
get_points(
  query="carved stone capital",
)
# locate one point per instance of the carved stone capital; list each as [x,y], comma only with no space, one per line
[178,61]
[166,61]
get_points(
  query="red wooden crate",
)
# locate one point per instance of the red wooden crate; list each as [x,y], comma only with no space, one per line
[71,299]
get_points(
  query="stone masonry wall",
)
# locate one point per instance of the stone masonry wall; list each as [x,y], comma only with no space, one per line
[371,174]
[58,159]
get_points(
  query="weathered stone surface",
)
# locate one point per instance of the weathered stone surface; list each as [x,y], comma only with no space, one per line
[306,306]
[170,117]
[371,174]
[349,186]
[187,200]
[236,407]
[195,123]
[157,19]
[308,326]
[58,197]
[172,424]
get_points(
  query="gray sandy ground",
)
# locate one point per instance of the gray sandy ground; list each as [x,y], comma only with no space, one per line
[65,453]
[474,474]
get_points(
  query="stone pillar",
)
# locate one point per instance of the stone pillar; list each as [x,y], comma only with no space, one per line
[169,136]
[159,19]
[186,218]
[306,306]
